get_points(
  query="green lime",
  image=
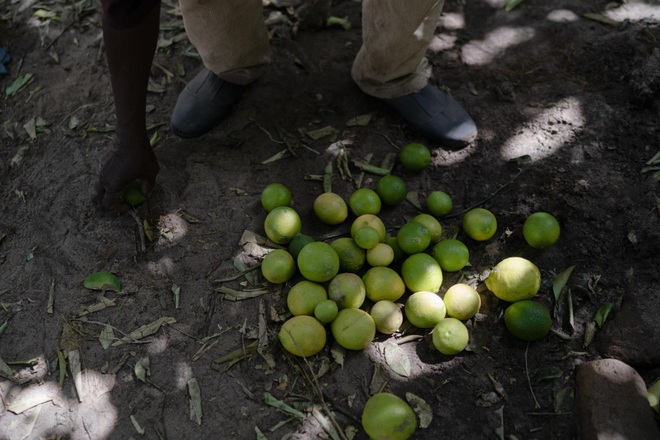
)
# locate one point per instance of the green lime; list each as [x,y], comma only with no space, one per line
[425,309]
[330,208]
[439,203]
[432,224]
[326,311]
[421,272]
[541,230]
[380,255]
[366,237]
[452,255]
[450,336]
[304,296]
[351,256]
[415,157]
[132,194]
[299,241]
[364,201]
[318,262]
[391,190]
[388,417]
[275,195]
[302,335]
[479,224]
[413,237]
[527,320]
[278,266]
[282,224]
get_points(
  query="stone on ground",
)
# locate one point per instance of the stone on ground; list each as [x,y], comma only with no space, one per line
[612,402]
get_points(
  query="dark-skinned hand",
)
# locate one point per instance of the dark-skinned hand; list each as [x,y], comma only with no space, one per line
[124,164]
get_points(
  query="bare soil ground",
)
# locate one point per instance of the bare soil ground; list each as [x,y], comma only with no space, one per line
[567,110]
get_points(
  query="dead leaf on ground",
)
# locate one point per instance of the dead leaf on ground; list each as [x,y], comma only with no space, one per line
[195,401]
[422,409]
[144,331]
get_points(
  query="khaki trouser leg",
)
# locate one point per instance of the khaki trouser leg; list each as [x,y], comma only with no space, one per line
[395,37]
[230,36]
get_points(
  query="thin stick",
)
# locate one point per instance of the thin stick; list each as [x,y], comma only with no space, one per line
[60,34]
[486,199]
[529,382]
[143,245]
[236,276]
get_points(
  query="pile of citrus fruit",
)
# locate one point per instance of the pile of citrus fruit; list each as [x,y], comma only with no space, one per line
[370,282]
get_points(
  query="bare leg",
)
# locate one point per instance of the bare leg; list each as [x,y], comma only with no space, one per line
[129,53]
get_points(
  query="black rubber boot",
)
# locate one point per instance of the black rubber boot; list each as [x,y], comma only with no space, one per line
[436,115]
[204,102]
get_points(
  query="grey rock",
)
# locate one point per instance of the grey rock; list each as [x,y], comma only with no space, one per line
[612,403]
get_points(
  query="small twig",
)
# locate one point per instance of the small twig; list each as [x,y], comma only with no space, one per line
[388,140]
[261,127]
[341,409]
[487,198]
[237,276]
[49,45]
[143,245]
[76,111]
[529,382]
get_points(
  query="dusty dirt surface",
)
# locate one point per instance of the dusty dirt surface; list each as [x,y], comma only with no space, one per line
[568,118]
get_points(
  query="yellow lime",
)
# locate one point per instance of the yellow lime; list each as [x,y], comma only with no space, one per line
[364,201]
[388,417]
[278,266]
[366,237]
[415,157]
[432,224]
[353,329]
[302,335]
[369,220]
[439,203]
[421,272]
[132,194]
[282,224]
[462,301]
[452,255]
[527,320]
[298,242]
[318,262]
[383,283]
[380,255]
[326,311]
[387,316]
[330,208]
[413,237]
[275,195]
[654,395]
[541,230]
[347,290]
[450,336]
[351,256]
[479,224]
[425,309]
[304,296]
[398,253]
[391,190]
[514,279]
